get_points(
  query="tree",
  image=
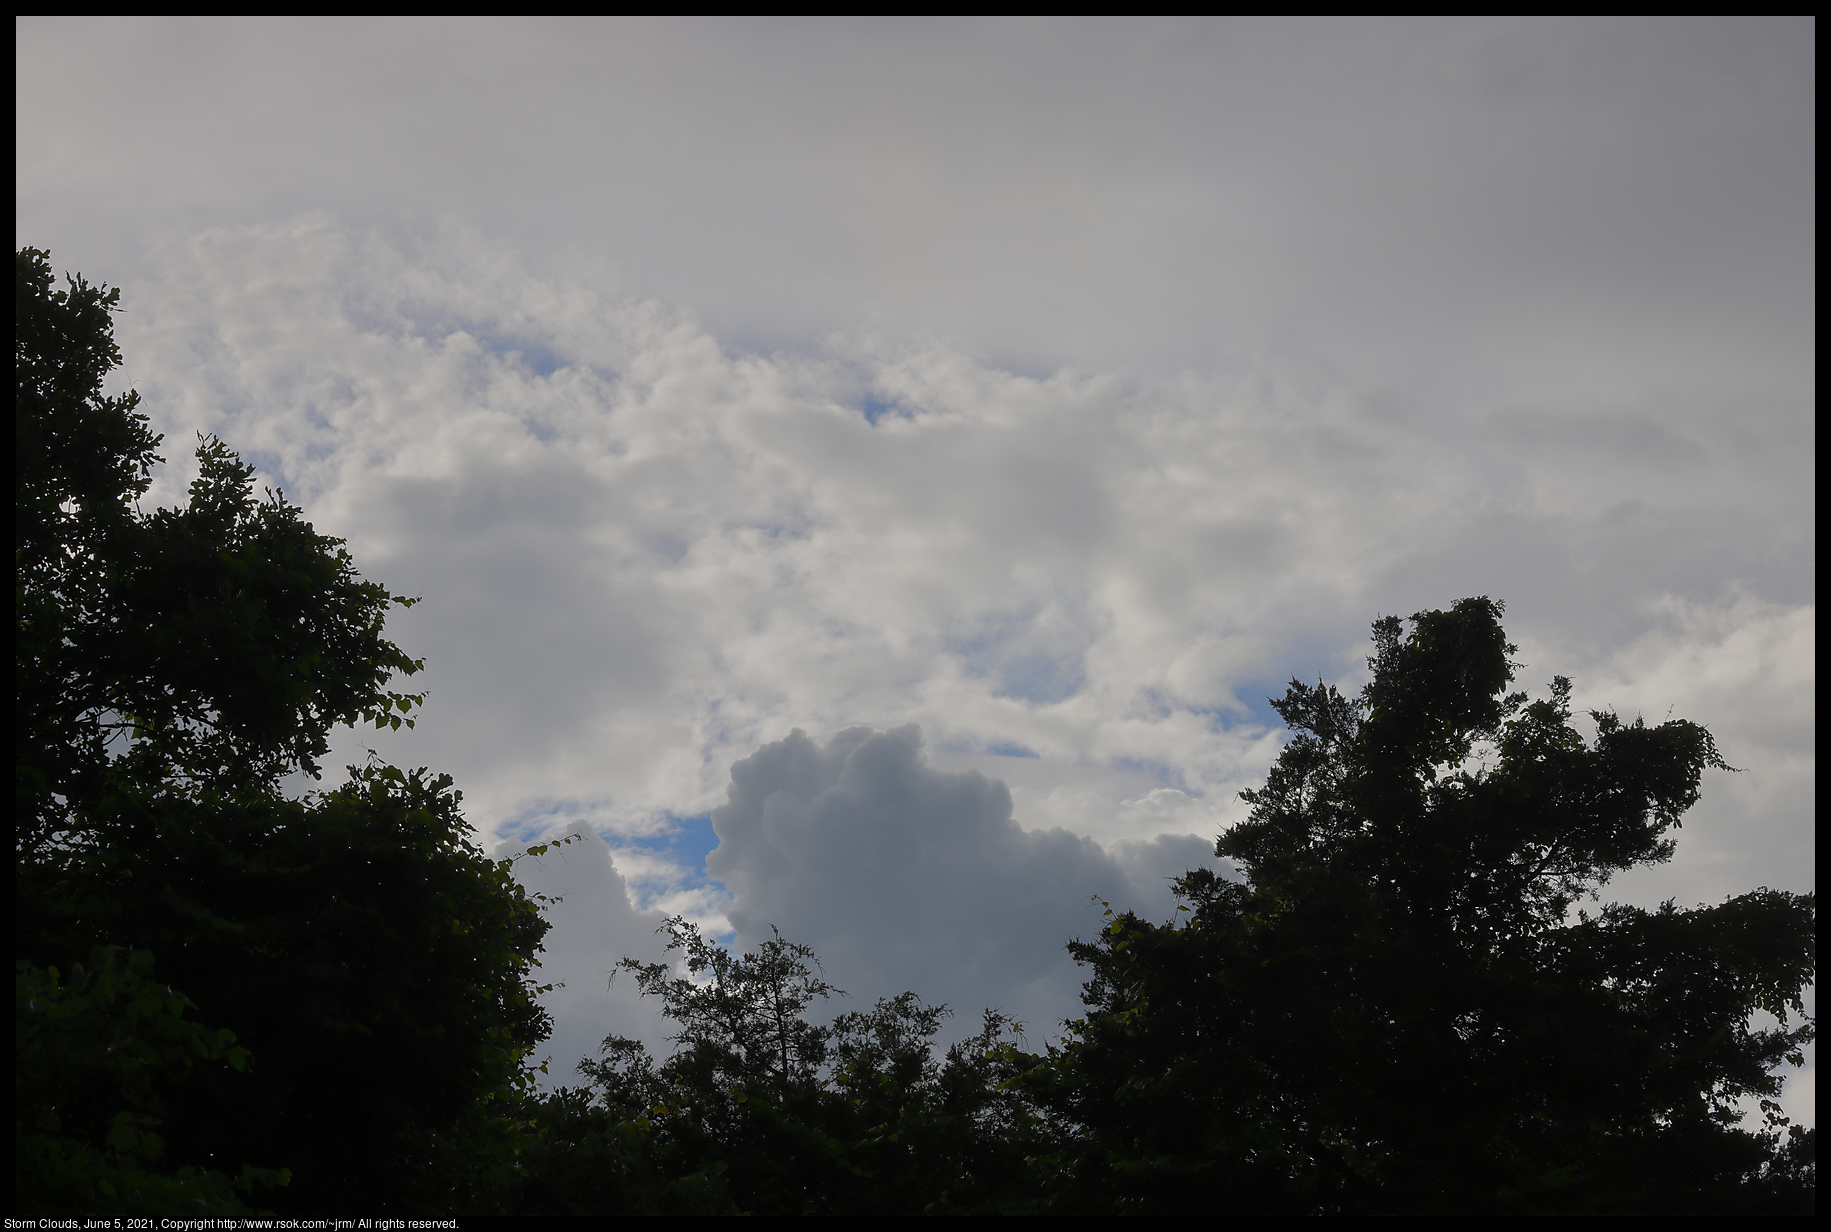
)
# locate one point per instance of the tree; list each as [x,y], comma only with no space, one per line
[89,1051]
[1396,1011]
[354,950]
[217,643]
[792,1117]
[741,1097]
[742,1017]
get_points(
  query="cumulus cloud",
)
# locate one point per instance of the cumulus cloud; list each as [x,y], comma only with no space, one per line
[644,554]
[902,876]
[595,926]
[905,876]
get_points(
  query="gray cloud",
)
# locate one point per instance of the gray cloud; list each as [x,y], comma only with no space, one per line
[595,926]
[1535,207]
[902,875]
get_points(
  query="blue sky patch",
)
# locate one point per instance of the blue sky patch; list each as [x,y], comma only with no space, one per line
[876,408]
[690,840]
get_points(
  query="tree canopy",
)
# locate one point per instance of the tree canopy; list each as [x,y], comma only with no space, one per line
[777,1114]
[1396,1009]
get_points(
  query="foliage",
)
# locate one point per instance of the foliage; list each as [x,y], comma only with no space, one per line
[171,669]
[1394,1012]
[84,1105]
[221,640]
[741,1016]
[587,1156]
[792,1117]
[373,961]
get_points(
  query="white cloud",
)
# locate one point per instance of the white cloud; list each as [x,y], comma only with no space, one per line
[1746,669]
[646,555]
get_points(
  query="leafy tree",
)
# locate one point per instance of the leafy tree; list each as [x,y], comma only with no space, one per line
[370,958]
[587,1156]
[217,643]
[366,963]
[791,1117]
[1396,1012]
[742,1017]
[742,1096]
[948,1136]
[85,1045]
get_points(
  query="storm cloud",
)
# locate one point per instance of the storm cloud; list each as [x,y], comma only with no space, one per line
[889,866]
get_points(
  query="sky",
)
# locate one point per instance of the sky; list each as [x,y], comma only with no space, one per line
[867,476]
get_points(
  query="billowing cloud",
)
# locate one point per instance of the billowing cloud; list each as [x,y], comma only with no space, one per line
[595,926]
[645,555]
[901,875]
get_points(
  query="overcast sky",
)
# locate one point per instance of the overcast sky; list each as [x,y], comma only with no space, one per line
[900,458]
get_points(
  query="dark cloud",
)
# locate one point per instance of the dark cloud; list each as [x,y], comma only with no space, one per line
[903,876]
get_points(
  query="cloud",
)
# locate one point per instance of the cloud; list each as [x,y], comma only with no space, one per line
[905,876]
[647,554]
[900,875]
[595,926]
[1746,669]
[1512,207]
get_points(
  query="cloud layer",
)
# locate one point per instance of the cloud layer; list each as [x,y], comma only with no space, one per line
[645,555]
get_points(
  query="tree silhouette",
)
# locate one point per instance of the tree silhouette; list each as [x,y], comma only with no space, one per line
[358,969]
[742,1017]
[787,1116]
[1396,1011]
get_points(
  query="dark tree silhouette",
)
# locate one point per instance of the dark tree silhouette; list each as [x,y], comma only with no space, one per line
[780,1115]
[1396,1010]
[742,1017]
[356,968]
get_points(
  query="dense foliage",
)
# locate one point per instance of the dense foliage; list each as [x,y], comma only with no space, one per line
[230,999]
